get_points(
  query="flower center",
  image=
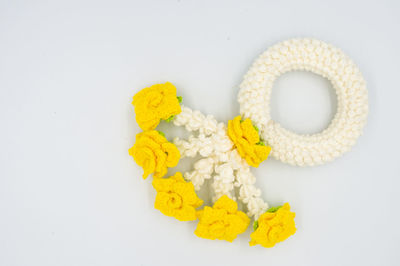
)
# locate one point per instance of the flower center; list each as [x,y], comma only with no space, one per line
[155,99]
[217,228]
[175,201]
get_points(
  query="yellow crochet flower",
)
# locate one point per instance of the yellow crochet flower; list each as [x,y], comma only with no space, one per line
[154,153]
[223,221]
[247,141]
[154,103]
[274,226]
[176,197]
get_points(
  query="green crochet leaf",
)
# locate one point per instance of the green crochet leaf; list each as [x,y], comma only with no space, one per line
[161,133]
[179,99]
[255,225]
[274,209]
[169,119]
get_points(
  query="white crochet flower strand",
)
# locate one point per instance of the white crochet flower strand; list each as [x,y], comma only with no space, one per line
[222,162]
[320,58]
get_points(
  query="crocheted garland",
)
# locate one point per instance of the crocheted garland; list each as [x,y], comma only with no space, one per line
[228,151]
[320,58]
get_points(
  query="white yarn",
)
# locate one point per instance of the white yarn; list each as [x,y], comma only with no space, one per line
[321,58]
[221,160]
[195,120]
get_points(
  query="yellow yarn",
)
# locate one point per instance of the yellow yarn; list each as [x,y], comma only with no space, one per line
[154,153]
[247,141]
[274,227]
[154,103]
[176,197]
[222,221]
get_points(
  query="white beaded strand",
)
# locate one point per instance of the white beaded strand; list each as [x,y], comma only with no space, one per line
[320,58]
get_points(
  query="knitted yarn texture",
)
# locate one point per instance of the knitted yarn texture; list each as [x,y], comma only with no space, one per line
[227,151]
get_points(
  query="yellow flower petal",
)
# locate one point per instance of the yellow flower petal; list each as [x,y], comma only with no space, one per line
[262,152]
[246,138]
[274,227]
[249,132]
[161,160]
[237,128]
[149,167]
[154,153]
[172,152]
[231,132]
[223,221]
[154,103]
[226,203]
[176,198]
[186,213]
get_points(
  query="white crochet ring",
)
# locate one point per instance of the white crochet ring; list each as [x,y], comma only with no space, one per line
[320,58]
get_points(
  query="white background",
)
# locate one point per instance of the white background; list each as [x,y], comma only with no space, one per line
[71,195]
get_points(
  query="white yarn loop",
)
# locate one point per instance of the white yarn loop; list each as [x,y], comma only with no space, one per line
[320,58]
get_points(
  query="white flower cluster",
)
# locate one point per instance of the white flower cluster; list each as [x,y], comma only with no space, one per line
[321,58]
[220,160]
